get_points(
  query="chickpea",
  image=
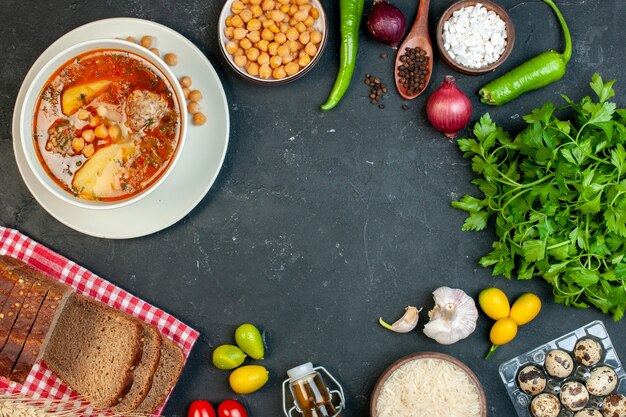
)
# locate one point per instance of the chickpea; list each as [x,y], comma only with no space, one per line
[316,36]
[284,28]
[199,119]
[283,50]
[293,22]
[231,47]
[284,8]
[253,24]
[83,114]
[240,61]
[155,51]
[263,59]
[186,80]
[237,22]
[310,49]
[287,58]
[309,21]
[239,33]
[78,144]
[300,15]
[314,13]
[257,11]
[255,2]
[294,46]
[268,5]
[196,95]
[301,2]
[267,23]
[193,107]
[304,38]
[272,48]
[146,41]
[88,135]
[265,71]
[277,15]
[253,69]
[283,2]
[246,15]
[252,54]
[262,45]
[229,32]
[186,92]
[279,73]
[276,61]
[239,52]
[237,7]
[291,68]
[115,132]
[275,29]
[49,146]
[245,43]
[131,39]
[292,34]
[304,59]
[101,132]
[170,59]
[254,36]
[94,121]
[300,27]
[280,38]
[229,21]
[88,150]
[306,7]
[267,34]
[292,10]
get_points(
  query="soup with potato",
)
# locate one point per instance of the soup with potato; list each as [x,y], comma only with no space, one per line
[106,125]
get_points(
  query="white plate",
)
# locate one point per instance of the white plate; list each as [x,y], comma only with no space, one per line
[199,163]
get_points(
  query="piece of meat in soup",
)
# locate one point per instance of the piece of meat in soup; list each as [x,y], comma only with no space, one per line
[145,109]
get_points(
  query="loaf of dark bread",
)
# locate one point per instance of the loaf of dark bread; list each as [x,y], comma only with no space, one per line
[167,374]
[94,349]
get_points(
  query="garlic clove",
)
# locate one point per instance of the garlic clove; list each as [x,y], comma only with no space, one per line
[406,323]
[453,318]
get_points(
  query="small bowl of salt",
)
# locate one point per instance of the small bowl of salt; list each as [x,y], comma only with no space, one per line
[475,37]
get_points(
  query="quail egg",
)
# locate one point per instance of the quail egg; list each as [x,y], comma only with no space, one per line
[614,406]
[588,351]
[574,395]
[559,363]
[531,380]
[545,405]
[602,381]
[588,412]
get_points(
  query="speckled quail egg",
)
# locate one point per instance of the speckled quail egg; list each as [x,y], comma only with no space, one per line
[614,406]
[602,381]
[545,405]
[588,351]
[531,380]
[574,396]
[588,412]
[559,363]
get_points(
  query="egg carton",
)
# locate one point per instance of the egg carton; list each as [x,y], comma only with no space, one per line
[509,369]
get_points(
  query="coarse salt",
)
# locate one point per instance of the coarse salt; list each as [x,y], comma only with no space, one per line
[474,36]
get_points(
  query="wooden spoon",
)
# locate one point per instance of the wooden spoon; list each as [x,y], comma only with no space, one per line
[418,37]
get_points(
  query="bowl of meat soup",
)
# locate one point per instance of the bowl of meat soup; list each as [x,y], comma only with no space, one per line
[103,123]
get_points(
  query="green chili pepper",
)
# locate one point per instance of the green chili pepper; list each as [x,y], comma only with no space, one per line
[350,12]
[538,72]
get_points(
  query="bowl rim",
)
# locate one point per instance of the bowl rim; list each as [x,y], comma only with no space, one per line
[39,82]
[491,6]
[257,80]
[426,355]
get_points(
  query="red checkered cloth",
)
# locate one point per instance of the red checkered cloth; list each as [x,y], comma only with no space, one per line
[41,382]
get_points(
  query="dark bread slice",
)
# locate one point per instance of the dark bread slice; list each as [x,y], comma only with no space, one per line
[21,328]
[167,374]
[12,307]
[39,334]
[144,372]
[93,348]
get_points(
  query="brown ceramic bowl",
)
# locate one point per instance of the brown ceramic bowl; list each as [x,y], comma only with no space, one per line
[510,30]
[426,355]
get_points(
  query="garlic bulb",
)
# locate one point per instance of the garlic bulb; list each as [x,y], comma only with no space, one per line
[406,323]
[453,318]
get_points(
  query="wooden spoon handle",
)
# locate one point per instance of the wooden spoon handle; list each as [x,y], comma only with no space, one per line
[420,26]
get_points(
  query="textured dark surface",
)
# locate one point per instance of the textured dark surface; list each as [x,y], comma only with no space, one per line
[318,222]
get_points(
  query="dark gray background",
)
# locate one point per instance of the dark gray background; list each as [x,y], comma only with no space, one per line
[318,222]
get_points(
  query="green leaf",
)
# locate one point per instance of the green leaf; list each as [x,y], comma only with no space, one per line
[592,206]
[469,146]
[603,90]
[534,250]
[484,127]
[469,203]
[541,115]
[583,277]
[618,158]
[476,221]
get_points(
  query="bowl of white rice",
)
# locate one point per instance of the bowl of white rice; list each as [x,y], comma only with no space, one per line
[428,384]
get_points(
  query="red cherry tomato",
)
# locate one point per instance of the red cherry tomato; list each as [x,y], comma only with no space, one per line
[231,408]
[201,408]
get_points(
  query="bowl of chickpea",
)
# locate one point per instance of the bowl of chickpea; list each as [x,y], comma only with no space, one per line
[272,41]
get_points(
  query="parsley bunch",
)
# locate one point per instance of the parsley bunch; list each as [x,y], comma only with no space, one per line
[558,195]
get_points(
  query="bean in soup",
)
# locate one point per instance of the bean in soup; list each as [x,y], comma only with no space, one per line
[106,125]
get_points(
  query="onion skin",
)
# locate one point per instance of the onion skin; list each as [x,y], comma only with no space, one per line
[386,23]
[448,109]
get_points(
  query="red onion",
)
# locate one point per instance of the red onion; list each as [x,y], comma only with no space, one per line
[386,23]
[448,109]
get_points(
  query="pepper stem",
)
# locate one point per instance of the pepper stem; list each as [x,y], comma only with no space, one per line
[384,324]
[567,52]
[491,351]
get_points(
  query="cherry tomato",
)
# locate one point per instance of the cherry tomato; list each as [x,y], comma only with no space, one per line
[201,408]
[231,408]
